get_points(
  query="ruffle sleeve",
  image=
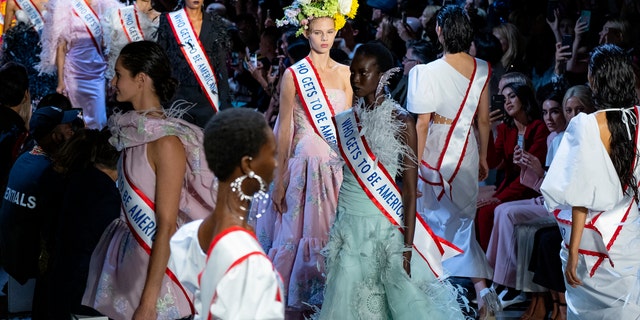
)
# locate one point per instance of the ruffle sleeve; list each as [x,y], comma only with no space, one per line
[582,174]
[417,87]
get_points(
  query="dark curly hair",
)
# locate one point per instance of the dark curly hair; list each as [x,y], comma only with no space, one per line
[230,135]
[457,32]
[612,80]
[149,58]
[529,104]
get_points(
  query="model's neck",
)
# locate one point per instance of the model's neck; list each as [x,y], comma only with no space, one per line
[321,61]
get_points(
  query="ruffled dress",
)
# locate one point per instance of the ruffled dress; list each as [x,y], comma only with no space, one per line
[119,264]
[294,239]
[365,277]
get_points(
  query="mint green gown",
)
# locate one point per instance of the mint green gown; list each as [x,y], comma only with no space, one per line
[365,277]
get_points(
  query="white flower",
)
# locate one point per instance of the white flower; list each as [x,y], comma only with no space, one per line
[344,6]
[290,13]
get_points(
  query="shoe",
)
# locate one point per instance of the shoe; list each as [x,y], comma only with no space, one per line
[491,301]
[522,297]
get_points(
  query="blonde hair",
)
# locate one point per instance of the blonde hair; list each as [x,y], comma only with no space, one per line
[583,94]
[514,50]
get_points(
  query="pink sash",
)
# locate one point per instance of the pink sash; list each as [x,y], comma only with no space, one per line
[381,188]
[441,175]
[314,100]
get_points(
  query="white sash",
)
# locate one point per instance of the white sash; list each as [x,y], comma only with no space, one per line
[91,21]
[381,188]
[195,55]
[227,250]
[130,24]
[139,212]
[441,174]
[314,100]
[35,16]
[601,229]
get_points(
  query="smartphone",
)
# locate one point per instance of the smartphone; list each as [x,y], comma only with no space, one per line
[585,16]
[254,60]
[521,141]
[497,103]
[552,5]
[235,59]
[404,18]
[567,40]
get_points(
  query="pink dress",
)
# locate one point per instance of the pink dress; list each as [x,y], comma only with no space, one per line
[315,176]
[119,264]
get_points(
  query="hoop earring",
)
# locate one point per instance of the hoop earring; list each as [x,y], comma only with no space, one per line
[236,185]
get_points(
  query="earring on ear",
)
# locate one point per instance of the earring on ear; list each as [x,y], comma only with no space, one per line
[236,186]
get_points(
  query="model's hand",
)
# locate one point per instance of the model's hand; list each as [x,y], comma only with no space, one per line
[570,271]
[61,89]
[406,262]
[144,312]
[278,199]
[483,170]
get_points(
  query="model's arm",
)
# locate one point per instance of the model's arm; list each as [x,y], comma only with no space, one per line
[9,15]
[579,216]
[409,188]
[484,127]
[284,127]
[168,159]
[422,129]
[61,53]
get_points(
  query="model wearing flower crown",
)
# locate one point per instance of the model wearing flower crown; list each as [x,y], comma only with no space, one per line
[308,171]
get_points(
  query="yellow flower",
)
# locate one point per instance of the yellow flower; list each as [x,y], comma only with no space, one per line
[339,20]
[354,9]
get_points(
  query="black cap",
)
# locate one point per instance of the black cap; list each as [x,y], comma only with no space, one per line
[45,119]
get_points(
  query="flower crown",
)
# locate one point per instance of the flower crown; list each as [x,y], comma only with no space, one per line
[301,12]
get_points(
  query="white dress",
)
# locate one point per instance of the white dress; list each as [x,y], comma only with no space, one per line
[608,264]
[438,87]
[187,258]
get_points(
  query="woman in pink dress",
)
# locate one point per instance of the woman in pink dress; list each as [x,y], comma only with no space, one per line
[164,182]
[309,174]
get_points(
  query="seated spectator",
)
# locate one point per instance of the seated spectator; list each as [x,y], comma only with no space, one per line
[522,129]
[501,252]
[418,52]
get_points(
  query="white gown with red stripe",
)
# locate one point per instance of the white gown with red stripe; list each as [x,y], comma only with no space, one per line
[439,88]
[582,175]
[238,281]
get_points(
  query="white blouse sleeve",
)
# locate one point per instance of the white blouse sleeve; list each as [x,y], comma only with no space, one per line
[417,89]
[250,290]
[582,174]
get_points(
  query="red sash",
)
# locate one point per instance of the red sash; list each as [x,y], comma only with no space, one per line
[91,21]
[314,100]
[381,188]
[130,23]
[244,244]
[139,212]
[441,174]
[195,55]
[35,16]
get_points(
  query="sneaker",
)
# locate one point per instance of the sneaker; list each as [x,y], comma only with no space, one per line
[507,301]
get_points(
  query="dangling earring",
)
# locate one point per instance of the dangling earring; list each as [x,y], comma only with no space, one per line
[236,185]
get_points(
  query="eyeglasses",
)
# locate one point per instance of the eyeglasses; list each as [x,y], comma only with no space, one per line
[407,60]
